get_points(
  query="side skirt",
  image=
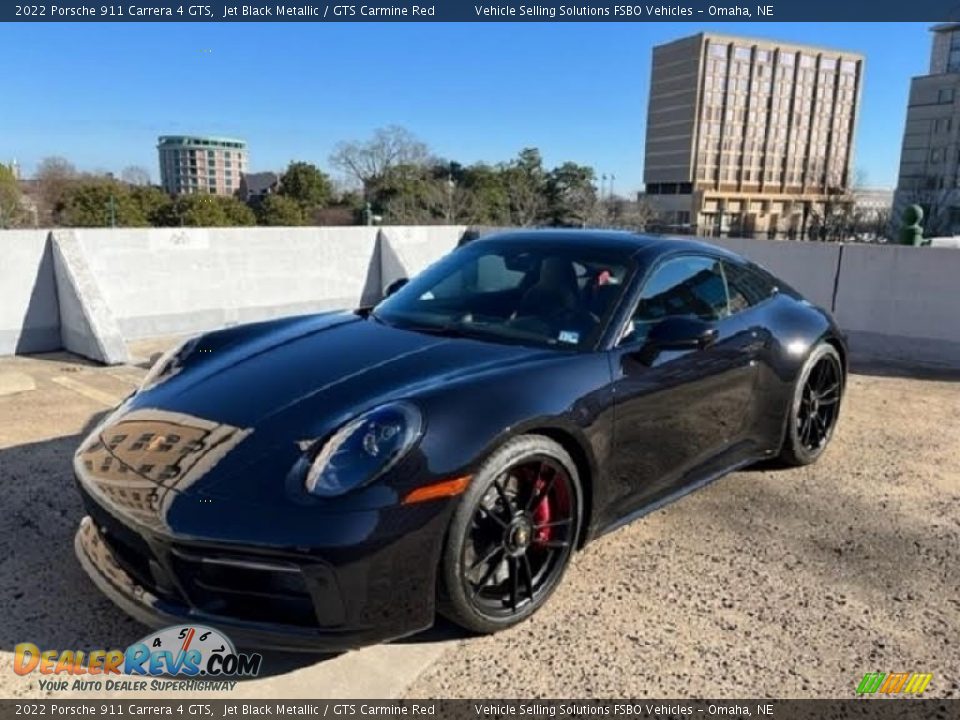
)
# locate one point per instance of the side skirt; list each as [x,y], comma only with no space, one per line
[686,489]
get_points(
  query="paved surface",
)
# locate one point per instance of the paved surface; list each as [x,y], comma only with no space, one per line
[788,583]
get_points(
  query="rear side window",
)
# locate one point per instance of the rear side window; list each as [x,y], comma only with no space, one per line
[746,286]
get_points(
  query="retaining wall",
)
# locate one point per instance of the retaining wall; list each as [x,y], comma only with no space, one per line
[897,304]
[29,313]
[91,291]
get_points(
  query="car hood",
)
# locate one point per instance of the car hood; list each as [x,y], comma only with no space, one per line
[269,391]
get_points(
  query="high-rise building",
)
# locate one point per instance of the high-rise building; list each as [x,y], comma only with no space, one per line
[930,154]
[749,136]
[197,164]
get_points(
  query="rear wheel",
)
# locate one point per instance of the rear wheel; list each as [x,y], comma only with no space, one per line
[512,536]
[815,408]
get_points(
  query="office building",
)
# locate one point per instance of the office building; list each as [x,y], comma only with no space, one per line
[198,164]
[930,154]
[751,137]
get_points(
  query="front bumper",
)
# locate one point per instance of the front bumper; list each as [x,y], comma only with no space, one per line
[304,598]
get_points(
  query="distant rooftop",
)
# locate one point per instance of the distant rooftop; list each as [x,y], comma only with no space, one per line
[768,42]
[200,140]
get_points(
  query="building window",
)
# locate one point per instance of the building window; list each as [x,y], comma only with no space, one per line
[763,56]
[848,66]
[718,51]
[741,53]
[945,96]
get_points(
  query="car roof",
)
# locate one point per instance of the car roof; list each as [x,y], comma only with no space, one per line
[622,241]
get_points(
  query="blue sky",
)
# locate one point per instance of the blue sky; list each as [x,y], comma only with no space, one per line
[100,94]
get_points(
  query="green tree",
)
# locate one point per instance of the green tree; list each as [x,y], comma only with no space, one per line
[307,185]
[571,195]
[236,212]
[99,202]
[526,185]
[279,210]
[11,211]
[491,200]
[153,202]
[206,211]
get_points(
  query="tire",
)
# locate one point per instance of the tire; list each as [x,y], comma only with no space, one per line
[805,440]
[502,517]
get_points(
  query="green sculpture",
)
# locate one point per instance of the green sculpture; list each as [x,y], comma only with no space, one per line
[911,231]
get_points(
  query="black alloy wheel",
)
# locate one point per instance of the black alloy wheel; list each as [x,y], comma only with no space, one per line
[816,407]
[512,536]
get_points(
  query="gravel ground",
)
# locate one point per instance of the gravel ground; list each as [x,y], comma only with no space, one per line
[790,583]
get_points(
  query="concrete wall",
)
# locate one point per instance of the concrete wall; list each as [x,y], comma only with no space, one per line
[29,313]
[897,304]
[901,303]
[180,280]
[91,291]
[409,250]
[809,267]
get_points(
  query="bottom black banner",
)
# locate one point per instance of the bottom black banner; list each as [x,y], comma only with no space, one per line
[867,709]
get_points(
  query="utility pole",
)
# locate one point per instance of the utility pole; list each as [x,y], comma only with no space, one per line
[450,186]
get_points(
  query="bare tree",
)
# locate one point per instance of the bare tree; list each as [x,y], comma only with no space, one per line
[835,219]
[619,212]
[135,175]
[53,176]
[368,161]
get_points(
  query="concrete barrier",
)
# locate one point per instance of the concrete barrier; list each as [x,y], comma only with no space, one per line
[181,280]
[901,304]
[91,291]
[409,250]
[809,267]
[29,313]
[88,325]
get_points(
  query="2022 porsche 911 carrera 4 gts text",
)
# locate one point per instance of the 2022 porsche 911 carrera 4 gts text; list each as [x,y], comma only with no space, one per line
[332,480]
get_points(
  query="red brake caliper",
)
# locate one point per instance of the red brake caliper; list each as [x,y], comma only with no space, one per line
[541,514]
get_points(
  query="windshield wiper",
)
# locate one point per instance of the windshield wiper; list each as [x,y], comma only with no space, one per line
[441,330]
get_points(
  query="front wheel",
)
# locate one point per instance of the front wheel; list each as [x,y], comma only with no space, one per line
[512,536]
[815,407]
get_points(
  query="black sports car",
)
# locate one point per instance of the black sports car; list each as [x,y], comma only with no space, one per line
[332,480]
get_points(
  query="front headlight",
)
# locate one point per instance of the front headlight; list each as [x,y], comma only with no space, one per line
[364,449]
[169,363]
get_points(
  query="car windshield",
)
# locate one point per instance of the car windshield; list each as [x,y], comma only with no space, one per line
[550,296]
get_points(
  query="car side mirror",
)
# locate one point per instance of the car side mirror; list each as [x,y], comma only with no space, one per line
[682,333]
[394,286]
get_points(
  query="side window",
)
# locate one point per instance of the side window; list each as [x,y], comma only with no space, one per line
[746,286]
[686,286]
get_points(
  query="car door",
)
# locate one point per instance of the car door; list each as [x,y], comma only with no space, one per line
[676,409]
